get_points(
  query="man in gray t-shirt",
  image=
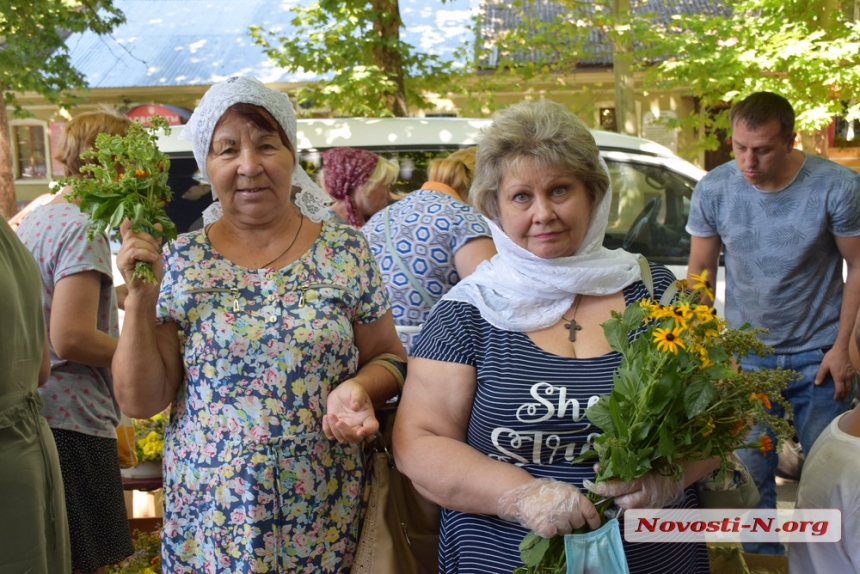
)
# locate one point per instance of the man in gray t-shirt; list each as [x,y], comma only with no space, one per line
[786,222]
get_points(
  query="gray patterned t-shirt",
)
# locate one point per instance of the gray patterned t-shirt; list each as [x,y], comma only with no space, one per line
[77,397]
[783,268]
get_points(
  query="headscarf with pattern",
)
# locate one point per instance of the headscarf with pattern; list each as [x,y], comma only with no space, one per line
[345,169]
[312,200]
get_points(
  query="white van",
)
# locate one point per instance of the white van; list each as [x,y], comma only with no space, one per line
[651,185]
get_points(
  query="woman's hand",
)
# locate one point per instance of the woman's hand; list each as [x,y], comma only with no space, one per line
[650,491]
[349,414]
[548,507]
[138,246]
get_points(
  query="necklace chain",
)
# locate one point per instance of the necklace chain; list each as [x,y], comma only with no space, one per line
[572,326]
[299,230]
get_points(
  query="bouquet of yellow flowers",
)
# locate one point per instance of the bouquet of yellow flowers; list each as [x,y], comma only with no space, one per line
[150,445]
[146,558]
[677,396]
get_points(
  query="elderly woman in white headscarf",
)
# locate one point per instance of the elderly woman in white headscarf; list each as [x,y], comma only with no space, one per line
[492,413]
[272,339]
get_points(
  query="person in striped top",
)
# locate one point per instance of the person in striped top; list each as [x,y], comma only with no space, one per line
[493,411]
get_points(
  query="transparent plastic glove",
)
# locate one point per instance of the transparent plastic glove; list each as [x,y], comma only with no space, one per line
[548,507]
[650,491]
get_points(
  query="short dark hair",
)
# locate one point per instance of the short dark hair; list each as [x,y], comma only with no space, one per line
[762,108]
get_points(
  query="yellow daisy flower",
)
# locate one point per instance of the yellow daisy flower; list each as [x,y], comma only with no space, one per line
[701,284]
[681,315]
[703,313]
[709,426]
[662,312]
[705,358]
[669,341]
[649,306]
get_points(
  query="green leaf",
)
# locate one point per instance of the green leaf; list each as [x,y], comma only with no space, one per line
[640,430]
[697,396]
[117,216]
[626,383]
[616,334]
[666,444]
[533,548]
[598,414]
[617,420]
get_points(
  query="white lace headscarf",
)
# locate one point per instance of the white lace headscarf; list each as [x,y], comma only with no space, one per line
[312,200]
[519,291]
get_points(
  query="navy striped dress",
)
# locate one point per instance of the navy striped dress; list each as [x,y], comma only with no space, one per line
[529,410]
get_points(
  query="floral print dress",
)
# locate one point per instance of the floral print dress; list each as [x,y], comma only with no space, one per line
[251,483]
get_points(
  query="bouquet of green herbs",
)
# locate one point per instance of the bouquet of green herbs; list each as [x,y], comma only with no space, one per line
[125,177]
[677,396]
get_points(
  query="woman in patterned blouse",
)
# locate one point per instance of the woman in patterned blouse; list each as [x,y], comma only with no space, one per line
[273,340]
[438,215]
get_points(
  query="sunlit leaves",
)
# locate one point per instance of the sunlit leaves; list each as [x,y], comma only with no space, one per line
[34,56]
[355,47]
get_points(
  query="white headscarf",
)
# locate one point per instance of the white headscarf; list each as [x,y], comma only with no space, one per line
[312,200]
[519,291]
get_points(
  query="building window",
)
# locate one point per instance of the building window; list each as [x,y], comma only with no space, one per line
[30,151]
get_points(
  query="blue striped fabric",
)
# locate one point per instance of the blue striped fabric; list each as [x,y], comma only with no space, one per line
[529,410]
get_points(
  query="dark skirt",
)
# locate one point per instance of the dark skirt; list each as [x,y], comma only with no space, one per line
[98,522]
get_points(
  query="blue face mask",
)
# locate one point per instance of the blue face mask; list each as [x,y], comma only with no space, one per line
[598,551]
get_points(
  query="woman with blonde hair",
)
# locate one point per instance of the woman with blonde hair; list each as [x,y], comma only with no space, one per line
[519,336]
[437,215]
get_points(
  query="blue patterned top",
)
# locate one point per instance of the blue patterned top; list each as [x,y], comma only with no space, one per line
[427,228]
[251,484]
[529,410]
[783,268]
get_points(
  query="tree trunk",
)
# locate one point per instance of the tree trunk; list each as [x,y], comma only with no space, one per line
[386,56]
[622,62]
[8,200]
[814,142]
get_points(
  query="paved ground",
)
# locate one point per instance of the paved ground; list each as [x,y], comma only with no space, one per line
[786,493]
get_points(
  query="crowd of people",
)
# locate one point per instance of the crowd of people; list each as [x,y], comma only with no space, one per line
[277,331]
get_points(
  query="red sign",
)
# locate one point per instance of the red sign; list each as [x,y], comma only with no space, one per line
[174,115]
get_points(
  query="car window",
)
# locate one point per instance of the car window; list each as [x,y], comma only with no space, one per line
[191,195]
[650,206]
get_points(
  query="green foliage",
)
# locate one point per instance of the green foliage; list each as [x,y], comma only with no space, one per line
[33,53]
[542,555]
[355,46]
[125,177]
[680,395]
[807,51]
